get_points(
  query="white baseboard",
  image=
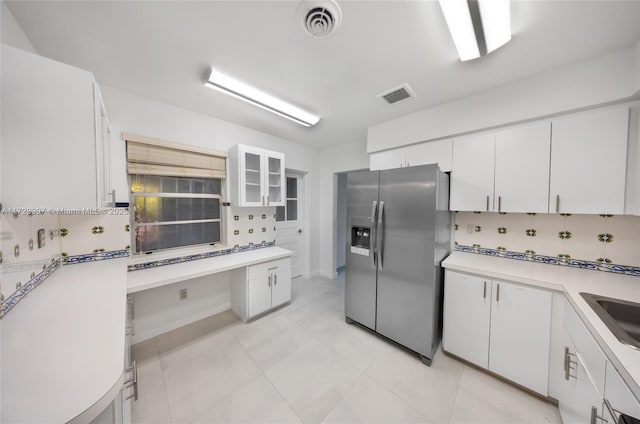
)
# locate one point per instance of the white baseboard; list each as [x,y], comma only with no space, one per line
[153,332]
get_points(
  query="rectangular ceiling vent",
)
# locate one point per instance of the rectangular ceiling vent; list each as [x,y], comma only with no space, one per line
[398,93]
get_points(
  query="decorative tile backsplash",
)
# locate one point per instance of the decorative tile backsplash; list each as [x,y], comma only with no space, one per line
[68,239]
[250,226]
[609,239]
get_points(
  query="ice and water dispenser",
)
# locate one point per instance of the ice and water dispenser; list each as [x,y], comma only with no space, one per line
[360,236]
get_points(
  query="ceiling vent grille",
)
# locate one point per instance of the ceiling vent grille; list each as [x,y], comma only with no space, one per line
[320,17]
[397,93]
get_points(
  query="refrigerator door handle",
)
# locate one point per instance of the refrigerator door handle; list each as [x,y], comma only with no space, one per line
[380,235]
[372,242]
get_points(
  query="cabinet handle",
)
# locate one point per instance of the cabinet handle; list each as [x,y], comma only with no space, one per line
[498,292]
[557,203]
[567,364]
[275,280]
[131,311]
[487,203]
[269,281]
[595,417]
[272,268]
[484,291]
[499,203]
[133,381]
[267,200]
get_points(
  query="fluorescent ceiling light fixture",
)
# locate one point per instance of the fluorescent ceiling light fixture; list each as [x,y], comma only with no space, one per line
[478,27]
[240,90]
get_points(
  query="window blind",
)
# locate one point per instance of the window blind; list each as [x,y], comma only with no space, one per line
[148,156]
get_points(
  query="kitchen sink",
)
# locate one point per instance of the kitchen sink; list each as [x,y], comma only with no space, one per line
[621,316]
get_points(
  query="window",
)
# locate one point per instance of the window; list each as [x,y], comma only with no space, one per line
[176,193]
[175,211]
[290,211]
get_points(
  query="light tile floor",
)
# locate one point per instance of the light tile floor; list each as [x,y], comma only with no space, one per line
[303,363]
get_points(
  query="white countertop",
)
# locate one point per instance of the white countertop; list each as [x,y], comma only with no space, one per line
[63,345]
[145,279]
[571,281]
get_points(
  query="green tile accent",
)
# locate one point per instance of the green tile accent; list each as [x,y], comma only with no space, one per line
[605,238]
[530,232]
[564,235]
[250,216]
[236,232]
[250,230]
[502,230]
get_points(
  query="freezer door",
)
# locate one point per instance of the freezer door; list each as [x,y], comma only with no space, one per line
[408,292]
[360,273]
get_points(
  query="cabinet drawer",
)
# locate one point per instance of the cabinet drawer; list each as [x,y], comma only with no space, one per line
[266,267]
[619,395]
[594,360]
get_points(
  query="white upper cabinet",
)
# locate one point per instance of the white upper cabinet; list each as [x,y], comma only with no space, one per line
[522,169]
[439,152]
[53,135]
[588,162]
[256,176]
[472,173]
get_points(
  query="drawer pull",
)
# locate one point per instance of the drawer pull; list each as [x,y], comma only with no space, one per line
[133,381]
[568,362]
[272,268]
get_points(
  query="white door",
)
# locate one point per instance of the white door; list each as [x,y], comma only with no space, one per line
[588,162]
[467,311]
[290,222]
[472,173]
[522,168]
[520,334]
[259,294]
[281,287]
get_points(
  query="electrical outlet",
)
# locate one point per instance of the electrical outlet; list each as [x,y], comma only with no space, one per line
[183,294]
[471,228]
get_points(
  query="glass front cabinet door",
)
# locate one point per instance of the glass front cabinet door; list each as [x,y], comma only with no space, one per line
[257,177]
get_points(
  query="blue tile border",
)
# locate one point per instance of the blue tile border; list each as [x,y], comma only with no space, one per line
[28,287]
[205,255]
[551,260]
[92,257]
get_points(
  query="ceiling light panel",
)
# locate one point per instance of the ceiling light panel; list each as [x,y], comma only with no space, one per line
[458,17]
[496,22]
[240,90]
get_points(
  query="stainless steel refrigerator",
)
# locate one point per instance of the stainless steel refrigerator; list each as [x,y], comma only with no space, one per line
[398,232]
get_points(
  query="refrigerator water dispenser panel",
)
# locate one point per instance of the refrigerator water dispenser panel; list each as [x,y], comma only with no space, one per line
[360,240]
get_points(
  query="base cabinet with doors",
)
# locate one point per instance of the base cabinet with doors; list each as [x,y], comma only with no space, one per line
[590,390]
[55,135]
[256,176]
[258,288]
[497,325]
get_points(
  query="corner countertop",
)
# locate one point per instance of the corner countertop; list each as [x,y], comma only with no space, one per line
[570,281]
[63,345]
[150,278]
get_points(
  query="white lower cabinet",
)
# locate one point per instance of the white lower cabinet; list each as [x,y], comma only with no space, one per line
[498,325]
[590,388]
[467,317]
[258,288]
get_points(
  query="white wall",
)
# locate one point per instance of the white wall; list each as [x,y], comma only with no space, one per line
[11,33]
[596,81]
[346,157]
[160,310]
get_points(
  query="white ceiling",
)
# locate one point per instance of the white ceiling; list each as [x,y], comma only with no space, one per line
[163,49]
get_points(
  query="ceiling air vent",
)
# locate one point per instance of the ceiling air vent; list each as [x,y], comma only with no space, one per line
[398,93]
[320,17]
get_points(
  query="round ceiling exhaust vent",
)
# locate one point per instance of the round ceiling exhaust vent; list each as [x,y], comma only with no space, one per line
[320,17]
